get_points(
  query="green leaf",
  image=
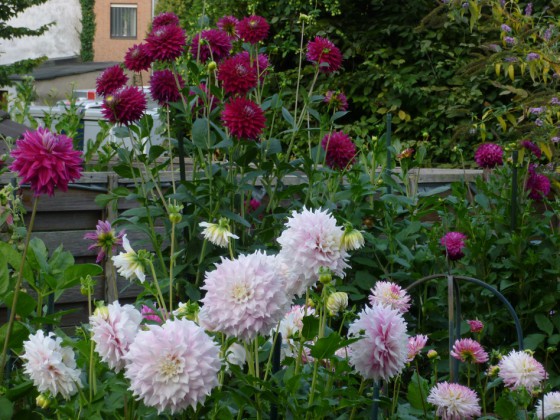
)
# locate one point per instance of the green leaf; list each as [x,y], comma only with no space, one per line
[6,409]
[235,217]
[74,273]
[506,408]
[532,341]
[325,347]
[13,258]
[18,336]
[544,323]
[482,200]
[288,117]
[25,303]
[201,134]
[4,275]
[418,389]
[310,328]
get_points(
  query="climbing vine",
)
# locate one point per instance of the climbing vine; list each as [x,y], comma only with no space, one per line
[88,30]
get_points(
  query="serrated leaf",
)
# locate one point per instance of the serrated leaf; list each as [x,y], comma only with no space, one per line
[544,324]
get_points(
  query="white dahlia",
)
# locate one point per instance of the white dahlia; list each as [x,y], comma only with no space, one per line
[549,405]
[520,369]
[454,401]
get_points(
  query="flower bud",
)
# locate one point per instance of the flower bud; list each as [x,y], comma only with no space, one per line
[102,311]
[337,302]
[493,371]
[352,239]
[325,275]
[175,213]
[432,354]
[212,66]
[42,401]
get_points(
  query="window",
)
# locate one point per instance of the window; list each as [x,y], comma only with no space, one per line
[123,20]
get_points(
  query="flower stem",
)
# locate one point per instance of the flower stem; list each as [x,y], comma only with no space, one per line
[360,392]
[197,282]
[159,295]
[17,288]
[171,264]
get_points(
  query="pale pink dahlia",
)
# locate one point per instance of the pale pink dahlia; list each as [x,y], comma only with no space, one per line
[390,294]
[520,369]
[125,106]
[244,297]
[46,161]
[105,238]
[236,75]
[173,366]
[454,401]
[243,118]
[415,346]
[453,242]
[475,325]
[166,43]
[549,405]
[340,150]
[138,58]
[290,327]
[111,80]
[382,352]
[228,24]
[325,54]
[163,86]
[50,366]
[114,328]
[164,19]
[213,44]
[469,351]
[312,240]
[253,29]
[489,155]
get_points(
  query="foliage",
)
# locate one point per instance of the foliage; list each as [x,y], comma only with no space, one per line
[88,30]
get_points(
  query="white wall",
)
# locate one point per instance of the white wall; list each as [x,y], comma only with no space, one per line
[61,40]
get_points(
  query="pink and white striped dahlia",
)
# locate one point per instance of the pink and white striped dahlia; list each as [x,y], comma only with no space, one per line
[50,366]
[415,346]
[244,297]
[390,294]
[173,366]
[114,328]
[469,351]
[383,350]
[313,240]
[454,401]
[520,369]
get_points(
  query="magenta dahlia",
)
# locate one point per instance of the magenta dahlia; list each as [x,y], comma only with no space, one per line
[253,29]
[489,155]
[243,118]
[125,106]
[228,24]
[260,66]
[111,80]
[164,19]
[336,101]
[212,44]
[454,243]
[163,86]
[537,184]
[532,147]
[105,238]
[475,325]
[325,54]
[340,150]
[46,161]
[138,58]
[469,351]
[166,43]
[237,75]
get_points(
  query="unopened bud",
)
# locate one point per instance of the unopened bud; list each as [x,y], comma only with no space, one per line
[42,401]
[325,276]
[212,66]
[102,311]
[337,302]
[432,354]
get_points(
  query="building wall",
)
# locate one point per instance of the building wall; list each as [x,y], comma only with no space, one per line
[106,48]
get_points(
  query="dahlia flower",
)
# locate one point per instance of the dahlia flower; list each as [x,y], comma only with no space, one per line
[520,369]
[415,346]
[340,150]
[260,66]
[166,43]
[390,294]
[105,238]
[173,366]
[219,233]
[163,86]
[290,326]
[383,350]
[237,75]
[164,19]
[244,297]
[50,366]
[325,54]
[111,80]
[124,106]
[129,264]
[337,302]
[138,58]
[537,184]
[253,29]
[243,118]
[469,351]
[549,405]
[212,44]
[46,160]
[532,147]
[312,240]
[336,101]
[150,315]
[228,24]
[489,155]
[236,355]
[114,329]
[352,238]
[454,243]
[454,401]
[475,325]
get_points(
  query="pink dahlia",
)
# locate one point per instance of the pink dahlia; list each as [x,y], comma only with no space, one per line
[475,325]
[114,329]
[469,351]
[390,294]
[212,44]
[382,351]
[50,366]
[46,161]
[312,241]
[253,29]
[537,184]
[105,238]
[325,54]
[244,297]
[164,19]
[173,366]
[228,24]
[454,243]
[237,75]
[454,401]
[150,315]
[243,118]
[163,86]
[549,405]
[125,106]
[489,155]
[520,369]
[290,326]
[336,101]
[340,150]
[415,346]
[166,43]
[111,80]
[138,58]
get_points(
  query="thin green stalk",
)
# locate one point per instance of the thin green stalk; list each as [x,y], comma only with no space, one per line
[198,272]
[92,379]
[360,392]
[171,265]
[159,295]
[420,389]
[17,289]
[300,349]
